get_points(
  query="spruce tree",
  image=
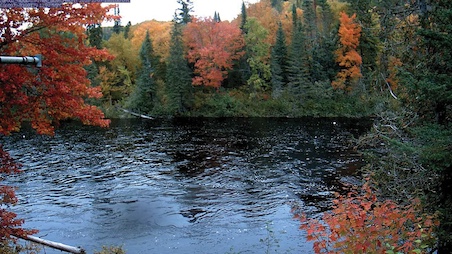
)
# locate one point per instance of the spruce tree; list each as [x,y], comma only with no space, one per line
[127,30]
[278,63]
[294,16]
[326,16]
[216,17]
[241,71]
[178,75]
[309,20]
[299,65]
[182,15]
[244,18]
[95,35]
[277,4]
[143,97]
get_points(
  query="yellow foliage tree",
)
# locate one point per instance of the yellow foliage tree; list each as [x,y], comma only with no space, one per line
[159,33]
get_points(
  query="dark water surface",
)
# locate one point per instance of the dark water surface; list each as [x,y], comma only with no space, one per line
[182,185]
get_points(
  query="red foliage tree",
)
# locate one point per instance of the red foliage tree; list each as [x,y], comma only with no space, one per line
[213,46]
[347,56]
[52,93]
[361,223]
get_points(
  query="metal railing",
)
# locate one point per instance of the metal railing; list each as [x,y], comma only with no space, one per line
[27,60]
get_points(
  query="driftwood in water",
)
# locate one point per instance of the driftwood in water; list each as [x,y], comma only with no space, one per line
[136,114]
[55,245]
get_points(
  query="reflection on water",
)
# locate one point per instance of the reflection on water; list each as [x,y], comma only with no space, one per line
[182,185]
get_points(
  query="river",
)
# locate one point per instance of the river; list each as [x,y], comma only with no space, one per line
[182,185]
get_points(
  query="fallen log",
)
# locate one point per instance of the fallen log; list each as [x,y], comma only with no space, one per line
[55,245]
[136,114]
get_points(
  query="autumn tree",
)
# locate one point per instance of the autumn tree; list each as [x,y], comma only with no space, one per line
[361,222]
[160,33]
[368,47]
[270,19]
[118,77]
[51,94]
[347,56]
[213,46]
[257,55]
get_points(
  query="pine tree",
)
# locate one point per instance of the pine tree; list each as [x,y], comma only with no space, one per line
[324,67]
[369,42]
[299,64]
[95,34]
[244,18]
[127,30]
[143,96]
[309,17]
[278,63]
[178,75]
[294,16]
[216,17]
[326,16]
[117,26]
[434,89]
[182,15]
[277,4]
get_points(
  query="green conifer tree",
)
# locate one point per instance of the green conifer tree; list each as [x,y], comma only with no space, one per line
[244,18]
[182,15]
[326,17]
[143,96]
[127,30]
[95,35]
[299,64]
[178,75]
[278,63]
[277,4]
[309,16]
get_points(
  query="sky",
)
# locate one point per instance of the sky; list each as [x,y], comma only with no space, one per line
[138,11]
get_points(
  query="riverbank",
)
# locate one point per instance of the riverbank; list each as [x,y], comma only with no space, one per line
[237,103]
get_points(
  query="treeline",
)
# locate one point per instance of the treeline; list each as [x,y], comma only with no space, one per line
[388,58]
[278,58]
[312,57]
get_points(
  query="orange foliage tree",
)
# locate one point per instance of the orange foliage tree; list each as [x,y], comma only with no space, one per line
[212,47]
[361,223]
[159,32]
[52,93]
[347,56]
[270,18]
